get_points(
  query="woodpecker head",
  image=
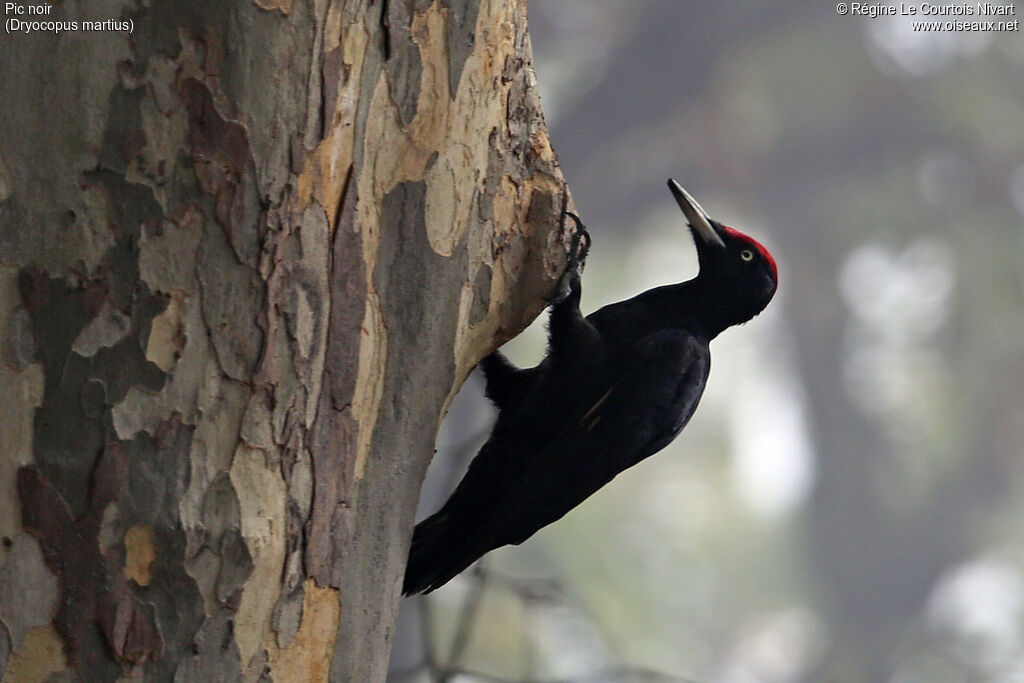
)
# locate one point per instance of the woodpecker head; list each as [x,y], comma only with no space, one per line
[741,272]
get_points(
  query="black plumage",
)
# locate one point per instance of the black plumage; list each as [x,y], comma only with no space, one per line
[614,388]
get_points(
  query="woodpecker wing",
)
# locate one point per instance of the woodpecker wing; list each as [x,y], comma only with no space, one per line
[653,401]
[516,484]
[640,410]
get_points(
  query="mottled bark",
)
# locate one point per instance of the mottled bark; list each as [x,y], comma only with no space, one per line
[248,254]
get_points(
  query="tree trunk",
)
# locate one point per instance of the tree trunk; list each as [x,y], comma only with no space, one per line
[248,254]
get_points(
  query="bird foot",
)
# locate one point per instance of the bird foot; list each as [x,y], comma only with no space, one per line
[570,280]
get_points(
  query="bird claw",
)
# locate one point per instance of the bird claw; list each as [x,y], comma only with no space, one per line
[570,280]
[580,241]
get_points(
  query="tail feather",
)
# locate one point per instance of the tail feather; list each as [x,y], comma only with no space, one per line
[438,553]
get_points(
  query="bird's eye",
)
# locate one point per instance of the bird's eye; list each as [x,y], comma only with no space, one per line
[747,255]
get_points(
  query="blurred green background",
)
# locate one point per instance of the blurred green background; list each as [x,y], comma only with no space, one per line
[846,504]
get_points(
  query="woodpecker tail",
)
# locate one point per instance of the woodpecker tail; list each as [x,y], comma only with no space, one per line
[438,553]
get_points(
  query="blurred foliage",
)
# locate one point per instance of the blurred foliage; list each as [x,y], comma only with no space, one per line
[845,505]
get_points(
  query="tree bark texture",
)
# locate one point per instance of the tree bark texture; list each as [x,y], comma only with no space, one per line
[248,253]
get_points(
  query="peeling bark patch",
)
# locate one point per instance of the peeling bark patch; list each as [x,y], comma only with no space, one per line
[227,564]
[257,422]
[68,431]
[262,497]
[70,549]
[101,613]
[215,651]
[19,347]
[130,626]
[232,299]
[335,432]
[304,314]
[348,294]
[321,612]
[369,380]
[409,271]
[462,15]
[421,325]
[288,614]
[334,73]
[329,530]
[481,294]
[162,616]
[28,590]
[167,337]
[123,111]
[22,395]
[140,552]
[233,292]
[106,329]
[447,204]
[79,391]
[405,74]
[40,656]
[224,169]
[152,608]
[404,65]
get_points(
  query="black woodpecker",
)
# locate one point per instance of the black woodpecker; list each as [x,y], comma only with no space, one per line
[615,387]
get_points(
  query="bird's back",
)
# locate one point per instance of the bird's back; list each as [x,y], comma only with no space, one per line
[530,473]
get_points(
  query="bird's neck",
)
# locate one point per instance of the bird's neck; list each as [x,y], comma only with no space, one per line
[701,306]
